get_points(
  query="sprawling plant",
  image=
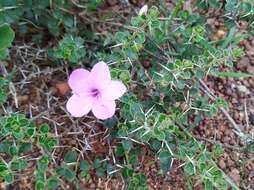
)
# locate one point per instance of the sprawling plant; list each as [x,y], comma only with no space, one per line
[168,60]
[162,60]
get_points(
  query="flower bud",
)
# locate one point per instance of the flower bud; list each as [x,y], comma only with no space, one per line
[143,10]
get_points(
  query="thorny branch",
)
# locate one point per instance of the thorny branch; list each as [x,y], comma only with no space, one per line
[209,93]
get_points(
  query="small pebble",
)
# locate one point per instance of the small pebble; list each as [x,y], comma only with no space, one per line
[23,99]
[222,164]
[243,89]
[62,88]
[235,175]
[243,62]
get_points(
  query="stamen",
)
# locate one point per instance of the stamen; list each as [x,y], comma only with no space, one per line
[95,92]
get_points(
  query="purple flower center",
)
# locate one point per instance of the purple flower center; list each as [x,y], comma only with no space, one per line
[95,92]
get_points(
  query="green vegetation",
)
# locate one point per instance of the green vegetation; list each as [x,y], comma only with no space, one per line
[161,56]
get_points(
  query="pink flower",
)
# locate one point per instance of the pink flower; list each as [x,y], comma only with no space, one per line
[94,91]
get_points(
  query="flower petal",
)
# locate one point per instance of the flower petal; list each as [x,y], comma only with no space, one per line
[114,90]
[100,75]
[78,106]
[78,80]
[104,109]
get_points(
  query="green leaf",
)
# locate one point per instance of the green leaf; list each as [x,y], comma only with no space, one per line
[84,165]
[165,159]
[199,73]
[155,24]
[6,36]
[208,185]
[30,132]
[70,157]
[84,173]
[229,38]
[66,172]
[189,168]
[3,167]
[43,163]
[158,36]
[48,142]
[119,151]
[70,48]
[156,144]
[237,52]
[137,21]
[39,175]
[251,148]
[13,150]
[141,178]
[53,182]
[5,145]
[245,7]
[9,178]
[44,128]
[100,172]
[217,150]
[110,123]
[18,164]
[122,37]
[25,147]
[4,54]
[214,4]
[228,63]
[180,84]
[60,171]
[39,185]
[133,159]
[140,39]
[138,181]
[153,12]
[160,135]
[233,74]
[127,145]
[127,172]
